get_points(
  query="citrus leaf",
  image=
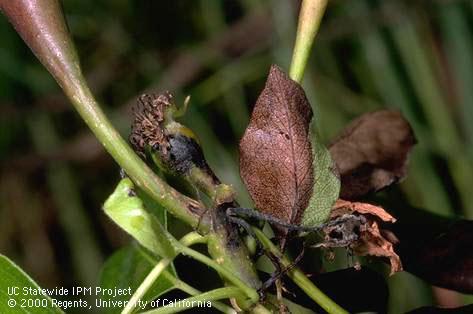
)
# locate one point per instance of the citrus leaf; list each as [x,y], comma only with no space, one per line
[127,210]
[12,277]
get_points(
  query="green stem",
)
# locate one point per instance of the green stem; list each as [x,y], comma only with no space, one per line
[217,294]
[251,293]
[182,246]
[187,240]
[315,293]
[259,309]
[300,278]
[310,17]
[146,284]
[183,286]
[193,238]
[309,21]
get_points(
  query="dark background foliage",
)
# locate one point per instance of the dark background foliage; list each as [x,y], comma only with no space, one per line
[415,56]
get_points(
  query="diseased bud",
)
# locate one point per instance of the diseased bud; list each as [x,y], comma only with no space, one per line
[173,147]
[147,129]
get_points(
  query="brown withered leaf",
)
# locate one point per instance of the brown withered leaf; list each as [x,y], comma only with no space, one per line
[275,151]
[371,153]
[372,240]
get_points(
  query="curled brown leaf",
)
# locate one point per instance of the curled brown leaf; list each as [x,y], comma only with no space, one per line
[346,207]
[371,153]
[372,240]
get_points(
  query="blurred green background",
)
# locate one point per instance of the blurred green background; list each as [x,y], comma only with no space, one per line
[416,56]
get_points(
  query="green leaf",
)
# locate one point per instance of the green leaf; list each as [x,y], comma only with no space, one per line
[12,278]
[127,210]
[127,268]
[326,184]
[153,207]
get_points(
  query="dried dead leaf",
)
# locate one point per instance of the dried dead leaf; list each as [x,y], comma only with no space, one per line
[373,243]
[289,174]
[346,207]
[275,151]
[371,239]
[371,153]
